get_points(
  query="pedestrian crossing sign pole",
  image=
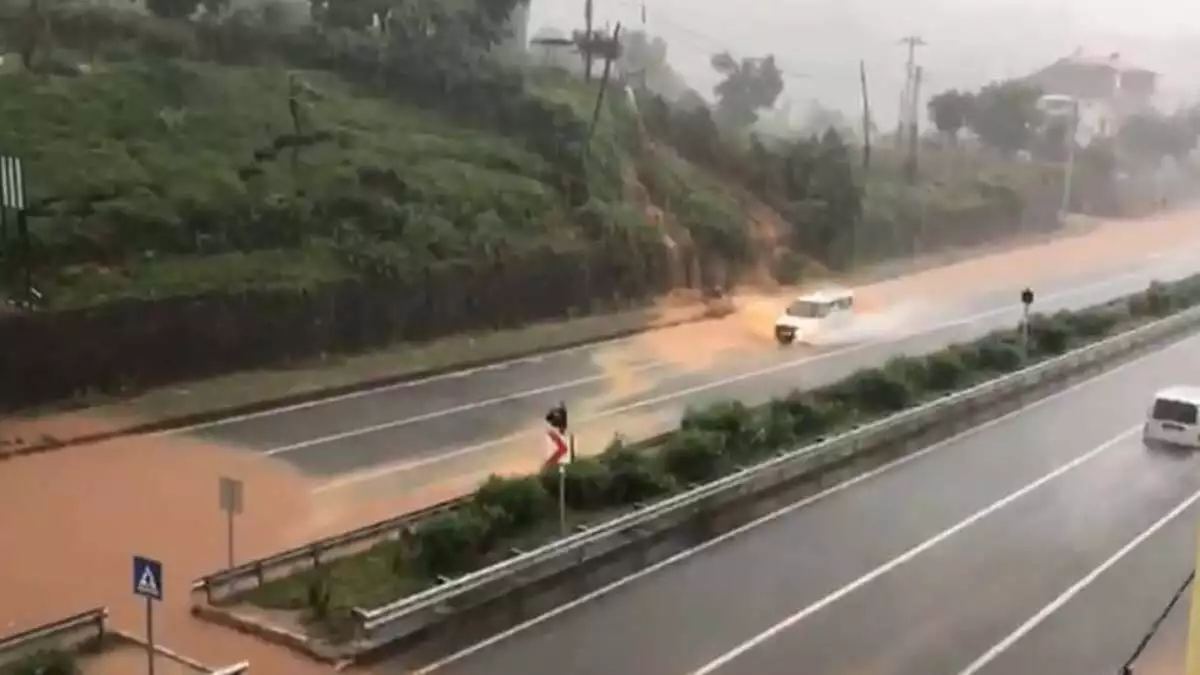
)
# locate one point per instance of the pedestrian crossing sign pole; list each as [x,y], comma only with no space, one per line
[13,198]
[148,583]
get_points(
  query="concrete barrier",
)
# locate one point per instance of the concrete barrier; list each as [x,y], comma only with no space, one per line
[68,634]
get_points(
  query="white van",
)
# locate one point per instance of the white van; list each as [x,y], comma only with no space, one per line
[1172,418]
[811,314]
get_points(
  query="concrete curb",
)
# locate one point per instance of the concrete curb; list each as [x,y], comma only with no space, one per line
[159,649]
[267,632]
[218,414]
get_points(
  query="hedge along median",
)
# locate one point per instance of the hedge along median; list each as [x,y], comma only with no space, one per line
[508,514]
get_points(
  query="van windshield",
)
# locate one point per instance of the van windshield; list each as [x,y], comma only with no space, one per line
[1181,412]
[807,309]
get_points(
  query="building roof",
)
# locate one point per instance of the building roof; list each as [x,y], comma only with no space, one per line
[1113,60]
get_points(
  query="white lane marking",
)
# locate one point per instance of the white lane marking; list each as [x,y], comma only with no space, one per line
[454,410]
[412,465]
[1033,622]
[679,393]
[786,510]
[724,659]
[499,365]
[573,383]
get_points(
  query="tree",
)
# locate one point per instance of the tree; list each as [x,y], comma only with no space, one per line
[1005,115]
[1151,137]
[949,112]
[172,9]
[749,86]
[644,60]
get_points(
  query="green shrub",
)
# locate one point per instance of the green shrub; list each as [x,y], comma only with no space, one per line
[450,543]
[874,390]
[1156,301]
[908,369]
[810,417]
[1096,323]
[515,503]
[999,352]
[733,420]
[1049,335]
[585,482]
[48,662]
[633,476]
[778,426]
[318,594]
[695,456]
[1187,291]
[945,370]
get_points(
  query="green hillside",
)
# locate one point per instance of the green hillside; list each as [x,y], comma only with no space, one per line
[222,188]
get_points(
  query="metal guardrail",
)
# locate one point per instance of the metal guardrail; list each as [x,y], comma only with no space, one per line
[236,669]
[63,634]
[221,585]
[409,614]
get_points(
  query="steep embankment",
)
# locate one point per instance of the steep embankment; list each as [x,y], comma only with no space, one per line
[194,214]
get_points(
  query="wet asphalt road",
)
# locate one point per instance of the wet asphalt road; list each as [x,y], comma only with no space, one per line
[953,562]
[498,410]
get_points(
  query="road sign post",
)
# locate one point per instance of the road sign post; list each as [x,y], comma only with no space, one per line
[560,456]
[231,503]
[1026,301]
[562,499]
[148,583]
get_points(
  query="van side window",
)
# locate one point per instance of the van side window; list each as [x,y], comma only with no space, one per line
[1181,412]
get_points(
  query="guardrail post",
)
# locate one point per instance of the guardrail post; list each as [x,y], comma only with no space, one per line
[259,573]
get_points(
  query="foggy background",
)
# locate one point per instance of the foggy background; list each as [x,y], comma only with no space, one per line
[818,43]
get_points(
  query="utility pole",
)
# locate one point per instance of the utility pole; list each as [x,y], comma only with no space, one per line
[912,41]
[911,129]
[1069,168]
[588,11]
[866,116]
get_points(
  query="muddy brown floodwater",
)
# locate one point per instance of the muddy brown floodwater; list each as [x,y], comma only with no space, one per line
[72,519]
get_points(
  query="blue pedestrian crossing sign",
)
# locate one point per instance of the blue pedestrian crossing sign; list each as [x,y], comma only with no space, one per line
[147,577]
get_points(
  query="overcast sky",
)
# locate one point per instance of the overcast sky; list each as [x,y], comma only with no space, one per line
[819,42]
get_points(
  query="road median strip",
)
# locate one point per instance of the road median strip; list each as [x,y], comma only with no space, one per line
[478,563]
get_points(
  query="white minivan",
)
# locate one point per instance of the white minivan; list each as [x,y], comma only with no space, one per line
[814,313]
[1172,418]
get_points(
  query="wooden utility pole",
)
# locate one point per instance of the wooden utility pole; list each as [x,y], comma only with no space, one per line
[912,133]
[866,116]
[612,52]
[906,94]
[588,12]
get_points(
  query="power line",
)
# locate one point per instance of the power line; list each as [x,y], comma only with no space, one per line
[710,42]
[1126,668]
